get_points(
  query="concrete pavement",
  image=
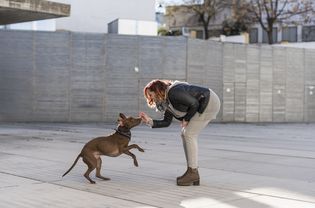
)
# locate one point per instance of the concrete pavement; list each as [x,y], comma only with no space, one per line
[241,166]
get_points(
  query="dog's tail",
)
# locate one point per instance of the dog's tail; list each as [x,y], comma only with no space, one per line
[75,162]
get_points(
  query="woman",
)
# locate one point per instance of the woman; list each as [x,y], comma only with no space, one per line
[193,105]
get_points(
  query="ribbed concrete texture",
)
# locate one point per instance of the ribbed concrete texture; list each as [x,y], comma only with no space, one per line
[240,165]
[204,65]
[86,77]
[268,84]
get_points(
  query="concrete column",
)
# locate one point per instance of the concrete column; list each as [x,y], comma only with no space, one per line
[299,33]
[260,34]
[279,33]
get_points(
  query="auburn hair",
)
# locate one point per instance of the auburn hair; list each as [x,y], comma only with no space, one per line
[157,86]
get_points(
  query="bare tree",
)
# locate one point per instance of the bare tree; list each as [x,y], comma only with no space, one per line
[206,10]
[240,19]
[270,12]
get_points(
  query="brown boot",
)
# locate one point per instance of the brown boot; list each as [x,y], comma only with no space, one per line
[190,178]
[179,177]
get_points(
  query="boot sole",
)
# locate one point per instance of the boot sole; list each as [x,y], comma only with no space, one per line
[194,183]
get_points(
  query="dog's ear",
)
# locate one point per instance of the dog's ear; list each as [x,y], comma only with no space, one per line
[121,115]
[120,121]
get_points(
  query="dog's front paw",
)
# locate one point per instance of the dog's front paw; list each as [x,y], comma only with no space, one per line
[141,150]
[136,164]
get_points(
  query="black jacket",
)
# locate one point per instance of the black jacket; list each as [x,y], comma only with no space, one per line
[186,98]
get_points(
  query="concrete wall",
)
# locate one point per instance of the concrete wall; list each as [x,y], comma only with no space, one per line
[268,84]
[73,77]
[83,77]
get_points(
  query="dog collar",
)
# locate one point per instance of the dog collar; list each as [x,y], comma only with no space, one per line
[127,134]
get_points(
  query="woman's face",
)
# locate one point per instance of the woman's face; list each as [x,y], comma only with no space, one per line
[152,95]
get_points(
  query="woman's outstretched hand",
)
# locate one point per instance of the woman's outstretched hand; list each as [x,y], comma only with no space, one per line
[144,117]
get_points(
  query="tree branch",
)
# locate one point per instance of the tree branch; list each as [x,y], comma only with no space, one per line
[282,9]
[266,8]
[258,15]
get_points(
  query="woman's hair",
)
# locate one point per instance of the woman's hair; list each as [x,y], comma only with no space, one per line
[159,88]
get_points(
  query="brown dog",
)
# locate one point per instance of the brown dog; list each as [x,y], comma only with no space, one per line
[112,145]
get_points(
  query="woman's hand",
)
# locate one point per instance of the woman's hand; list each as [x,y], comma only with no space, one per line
[184,123]
[144,117]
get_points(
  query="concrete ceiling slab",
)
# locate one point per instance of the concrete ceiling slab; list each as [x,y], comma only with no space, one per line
[16,11]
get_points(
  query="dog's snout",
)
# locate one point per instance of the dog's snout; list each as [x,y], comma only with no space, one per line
[132,122]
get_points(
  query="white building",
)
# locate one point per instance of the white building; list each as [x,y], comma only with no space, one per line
[133,27]
[94,15]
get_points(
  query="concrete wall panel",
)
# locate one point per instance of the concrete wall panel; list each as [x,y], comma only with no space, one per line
[196,62]
[228,63]
[309,110]
[295,85]
[240,62]
[175,54]
[87,77]
[151,57]
[309,67]
[214,72]
[16,76]
[51,75]
[204,65]
[252,84]
[266,70]
[228,104]
[121,86]
[279,83]
[240,102]
[214,67]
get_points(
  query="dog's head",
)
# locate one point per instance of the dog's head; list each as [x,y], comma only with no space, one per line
[128,122]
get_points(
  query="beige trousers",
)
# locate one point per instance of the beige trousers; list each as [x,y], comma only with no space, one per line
[198,122]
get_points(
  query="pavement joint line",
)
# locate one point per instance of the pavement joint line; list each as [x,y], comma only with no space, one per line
[26,156]
[5,187]
[29,178]
[242,137]
[269,195]
[263,162]
[115,197]
[259,153]
[273,147]
[234,171]
[58,161]
[69,187]
[217,157]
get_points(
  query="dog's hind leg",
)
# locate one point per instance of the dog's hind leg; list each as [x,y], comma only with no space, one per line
[98,170]
[91,166]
